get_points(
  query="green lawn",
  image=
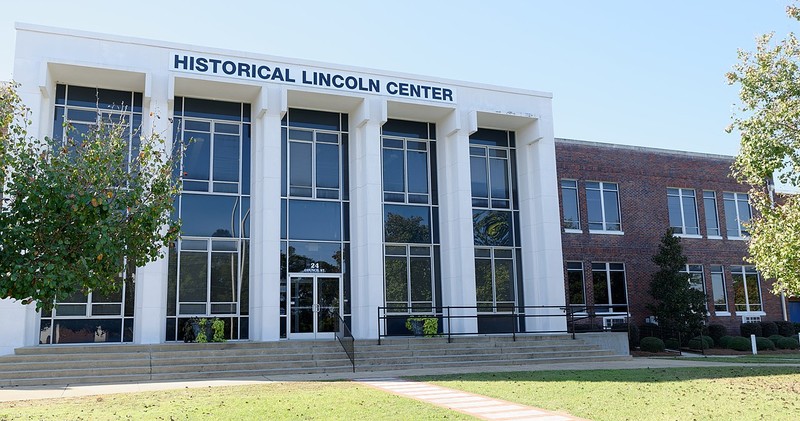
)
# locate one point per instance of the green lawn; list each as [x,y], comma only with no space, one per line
[272,401]
[718,393]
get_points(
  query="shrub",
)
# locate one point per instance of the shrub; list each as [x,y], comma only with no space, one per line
[786,328]
[650,329]
[701,342]
[739,343]
[768,329]
[775,338]
[748,329]
[796,327]
[725,341]
[672,343]
[651,344]
[787,343]
[717,331]
[764,343]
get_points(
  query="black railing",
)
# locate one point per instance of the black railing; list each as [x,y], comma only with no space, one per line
[504,319]
[346,339]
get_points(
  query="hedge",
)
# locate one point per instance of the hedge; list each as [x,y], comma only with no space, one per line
[786,328]
[717,331]
[775,338]
[787,343]
[725,341]
[740,343]
[768,329]
[748,329]
[764,343]
[672,343]
[651,344]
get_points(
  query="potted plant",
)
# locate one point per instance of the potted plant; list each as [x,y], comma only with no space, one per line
[204,330]
[419,326]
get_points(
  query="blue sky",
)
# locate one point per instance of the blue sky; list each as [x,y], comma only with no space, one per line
[649,73]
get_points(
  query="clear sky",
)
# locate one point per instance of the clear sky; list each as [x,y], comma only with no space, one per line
[648,73]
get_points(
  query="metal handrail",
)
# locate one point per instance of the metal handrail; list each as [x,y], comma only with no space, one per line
[346,339]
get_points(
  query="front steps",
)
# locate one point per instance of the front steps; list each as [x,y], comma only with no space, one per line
[74,364]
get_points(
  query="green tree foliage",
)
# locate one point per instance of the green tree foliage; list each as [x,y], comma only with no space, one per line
[676,304]
[768,120]
[76,213]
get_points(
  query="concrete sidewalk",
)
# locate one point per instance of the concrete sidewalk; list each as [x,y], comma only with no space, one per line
[60,391]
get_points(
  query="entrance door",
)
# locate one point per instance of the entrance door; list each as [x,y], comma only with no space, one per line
[314,307]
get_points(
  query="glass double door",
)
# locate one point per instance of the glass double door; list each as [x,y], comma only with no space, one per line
[315,305]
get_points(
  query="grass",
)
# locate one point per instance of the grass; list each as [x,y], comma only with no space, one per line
[760,358]
[272,401]
[718,393]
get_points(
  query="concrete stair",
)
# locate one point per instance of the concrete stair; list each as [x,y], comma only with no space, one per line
[73,364]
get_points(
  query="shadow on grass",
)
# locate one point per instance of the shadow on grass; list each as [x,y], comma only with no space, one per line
[644,375]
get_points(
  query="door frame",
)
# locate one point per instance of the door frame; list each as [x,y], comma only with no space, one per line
[315,334]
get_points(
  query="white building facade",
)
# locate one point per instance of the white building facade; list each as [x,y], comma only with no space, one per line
[311,191]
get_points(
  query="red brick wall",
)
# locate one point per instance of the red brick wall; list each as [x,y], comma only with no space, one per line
[643,176]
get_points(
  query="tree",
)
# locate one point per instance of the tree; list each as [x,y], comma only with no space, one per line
[676,304]
[75,213]
[768,121]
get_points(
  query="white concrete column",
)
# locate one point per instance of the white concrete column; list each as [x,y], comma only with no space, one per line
[455,215]
[366,217]
[150,305]
[265,214]
[540,224]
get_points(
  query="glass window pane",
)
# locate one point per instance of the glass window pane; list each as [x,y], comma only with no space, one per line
[483,280]
[479,177]
[618,288]
[226,158]
[675,220]
[396,280]
[569,197]
[753,293]
[690,215]
[406,224]
[611,210]
[499,178]
[492,228]
[393,171]
[299,164]
[224,273]
[744,213]
[504,279]
[718,288]
[209,216]
[595,209]
[710,208]
[421,279]
[313,257]
[328,166]
[193,277]
[600,286]
[731,219]
[311,220]
[197,157]
[575,287]
[417,172]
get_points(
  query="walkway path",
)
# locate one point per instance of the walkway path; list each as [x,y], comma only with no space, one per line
[475,405]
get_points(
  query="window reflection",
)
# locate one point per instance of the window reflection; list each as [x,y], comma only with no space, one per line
[315,220]
[406,224]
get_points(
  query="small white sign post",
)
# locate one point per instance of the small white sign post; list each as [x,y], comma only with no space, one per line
[753,344]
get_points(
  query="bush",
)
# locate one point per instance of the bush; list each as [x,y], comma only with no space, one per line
[748,329]
[768,329]
[775,338]
[787,343]
[649,329]
[651,344]
[701,342]
[717,331]
[786,328]
[796,327]
[725,341]
[764,343]
[740,343]
[672,343]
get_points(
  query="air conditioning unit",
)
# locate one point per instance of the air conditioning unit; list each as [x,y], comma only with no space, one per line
[609,322]
[751,319]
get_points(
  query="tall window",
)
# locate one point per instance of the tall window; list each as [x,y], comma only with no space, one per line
[569,205]
[746,288]
[315,209]
[712,221]
[696,279]
[93,317]
[208,274]
[410,210]
[610,294]
[718,287]
[737,212]
[575,287]
[682,211]
[602,202]
[495,219]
